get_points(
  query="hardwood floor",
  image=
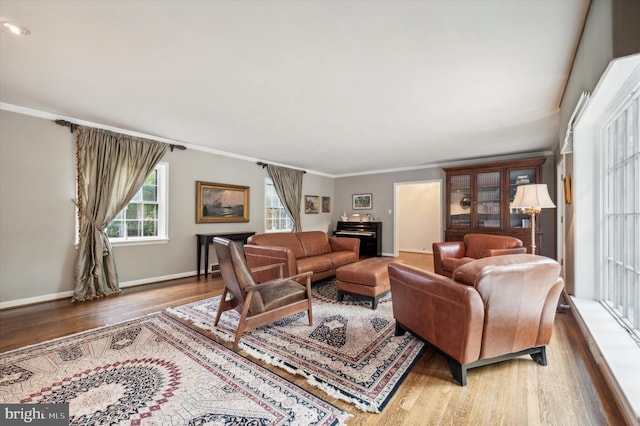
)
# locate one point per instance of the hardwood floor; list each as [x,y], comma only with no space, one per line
[568,391]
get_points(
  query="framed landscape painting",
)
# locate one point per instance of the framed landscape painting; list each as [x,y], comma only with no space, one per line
[362,202]
[311,204]
[220,203]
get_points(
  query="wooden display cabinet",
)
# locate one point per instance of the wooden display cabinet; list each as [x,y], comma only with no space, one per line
[478,199]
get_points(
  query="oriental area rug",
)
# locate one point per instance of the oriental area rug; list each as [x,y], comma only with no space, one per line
[351,351]
[155,370]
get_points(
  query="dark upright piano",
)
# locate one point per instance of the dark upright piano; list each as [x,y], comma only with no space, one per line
[369,233]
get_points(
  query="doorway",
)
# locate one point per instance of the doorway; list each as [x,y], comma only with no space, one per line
[418,216]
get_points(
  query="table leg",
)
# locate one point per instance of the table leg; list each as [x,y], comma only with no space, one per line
[206,258]
[198,255]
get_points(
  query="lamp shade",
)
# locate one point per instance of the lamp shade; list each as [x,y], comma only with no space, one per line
[532,196]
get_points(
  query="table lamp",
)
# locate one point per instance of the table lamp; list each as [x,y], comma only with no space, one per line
[531,199]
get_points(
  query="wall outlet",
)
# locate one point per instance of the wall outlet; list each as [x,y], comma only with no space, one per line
[214,267]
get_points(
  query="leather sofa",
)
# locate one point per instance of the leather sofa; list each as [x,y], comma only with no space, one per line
[450,254]
[300,252]
[493,309]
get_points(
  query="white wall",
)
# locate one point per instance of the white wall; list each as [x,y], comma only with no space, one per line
[381,186]
[37,217]
[418,210]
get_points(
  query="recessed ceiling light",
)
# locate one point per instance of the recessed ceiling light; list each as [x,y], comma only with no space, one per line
[15,28]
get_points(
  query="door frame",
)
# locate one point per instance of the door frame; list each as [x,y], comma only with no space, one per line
[396,218]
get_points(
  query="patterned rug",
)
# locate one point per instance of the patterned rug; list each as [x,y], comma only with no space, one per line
[155,370]
[350,352]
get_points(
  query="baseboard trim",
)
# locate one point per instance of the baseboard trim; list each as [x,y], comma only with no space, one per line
[68,294]
[417,251]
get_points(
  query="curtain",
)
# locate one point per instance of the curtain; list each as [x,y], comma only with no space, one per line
[288,185]
[111,168]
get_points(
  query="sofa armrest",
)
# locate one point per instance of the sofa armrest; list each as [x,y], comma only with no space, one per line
[502,252]
[446,250]
[258,256]
[345,244]
[447,314]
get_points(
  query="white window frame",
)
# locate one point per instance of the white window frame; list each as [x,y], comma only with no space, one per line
[612,345]
[162,169]
[620,286]
[267,205]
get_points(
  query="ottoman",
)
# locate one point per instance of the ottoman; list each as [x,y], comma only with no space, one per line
[368,278]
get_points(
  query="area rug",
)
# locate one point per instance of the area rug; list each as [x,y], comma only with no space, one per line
[350,352]
[155,370]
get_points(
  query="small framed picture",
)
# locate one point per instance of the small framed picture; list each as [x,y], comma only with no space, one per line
[311,204]
[362,201]
[326,204]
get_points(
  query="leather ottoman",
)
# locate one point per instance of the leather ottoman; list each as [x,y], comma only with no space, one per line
[368,278]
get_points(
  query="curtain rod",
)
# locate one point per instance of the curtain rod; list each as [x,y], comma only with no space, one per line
[260,163]
[72,128]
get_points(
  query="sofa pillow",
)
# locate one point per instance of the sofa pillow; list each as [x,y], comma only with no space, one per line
[279,239]
[341,258]
[314,243]
[314,264]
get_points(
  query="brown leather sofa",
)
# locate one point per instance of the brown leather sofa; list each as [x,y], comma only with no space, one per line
[300,252]
[495,308]
[450,254]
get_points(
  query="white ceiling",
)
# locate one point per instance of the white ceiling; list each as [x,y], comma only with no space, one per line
[336,87]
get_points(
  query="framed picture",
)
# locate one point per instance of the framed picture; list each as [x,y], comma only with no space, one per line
[220,203]
[311,204]
[326,204]
[362,202]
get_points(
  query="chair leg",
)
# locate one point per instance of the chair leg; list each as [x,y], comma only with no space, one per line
[221,306]
[239,333]
[242,322]
[310,313]
[399,329]
[540,357]
[458,371]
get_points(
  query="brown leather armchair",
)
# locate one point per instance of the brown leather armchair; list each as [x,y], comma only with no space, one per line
[258,304]
[493,309]
[450,254]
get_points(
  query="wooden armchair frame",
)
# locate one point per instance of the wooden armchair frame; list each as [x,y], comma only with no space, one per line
[235,273]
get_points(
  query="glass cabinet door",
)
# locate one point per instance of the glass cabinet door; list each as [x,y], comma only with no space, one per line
[488,196]
[516,178]
[460,201]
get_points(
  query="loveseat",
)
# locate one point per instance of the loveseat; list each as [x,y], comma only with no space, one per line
[300,252]
[450,254]
[493,309]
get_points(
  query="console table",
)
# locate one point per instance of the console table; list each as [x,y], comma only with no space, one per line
[204,240]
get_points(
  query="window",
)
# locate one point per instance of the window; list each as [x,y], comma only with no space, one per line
[144,218]
[276,217]
[620,289]
[605,227]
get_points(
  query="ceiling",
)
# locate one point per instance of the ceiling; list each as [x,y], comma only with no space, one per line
[335,87]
